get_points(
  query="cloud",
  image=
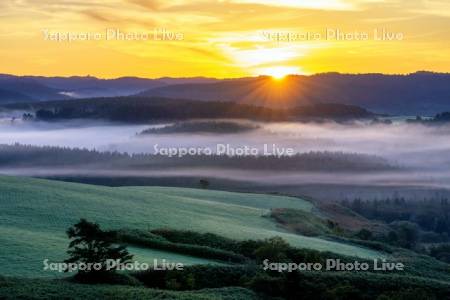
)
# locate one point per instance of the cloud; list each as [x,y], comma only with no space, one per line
[116,18]
[97,16]
[316,4]
[434,7]
[227,29]
[150,4]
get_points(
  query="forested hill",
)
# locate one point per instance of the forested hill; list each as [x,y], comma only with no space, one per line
[15,89]
[23,156]
[420,93]
[147,109]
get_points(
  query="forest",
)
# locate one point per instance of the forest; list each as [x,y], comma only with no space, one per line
[28,156]
[137,109]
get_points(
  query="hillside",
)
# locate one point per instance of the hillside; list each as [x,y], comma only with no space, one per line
[137,109]
[76,161]
[35,214]
[215,127]
[420,93]
[44,289]
[40,88]
[16,89]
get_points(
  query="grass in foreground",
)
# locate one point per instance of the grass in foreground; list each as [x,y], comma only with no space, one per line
[35,214]
[37,289]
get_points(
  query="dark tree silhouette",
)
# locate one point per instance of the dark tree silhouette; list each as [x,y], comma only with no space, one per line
[91,245]
[204,183]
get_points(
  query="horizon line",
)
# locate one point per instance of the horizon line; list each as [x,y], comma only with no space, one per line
[223,78]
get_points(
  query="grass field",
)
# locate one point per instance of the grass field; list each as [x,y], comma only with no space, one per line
[35,214]
[41,289]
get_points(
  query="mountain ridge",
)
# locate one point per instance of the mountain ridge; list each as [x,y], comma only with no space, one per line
[417,93]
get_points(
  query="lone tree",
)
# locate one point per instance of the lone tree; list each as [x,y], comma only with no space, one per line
[90,245]
[204,183]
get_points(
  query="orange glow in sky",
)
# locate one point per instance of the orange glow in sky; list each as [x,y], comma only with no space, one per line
[223,39]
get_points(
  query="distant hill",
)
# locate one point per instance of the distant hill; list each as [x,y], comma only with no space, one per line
[7,96]
[86,87]
[216,127]
[438,120]
[55,158]
[19,89]
[148,109]
[40,88]
[420,93]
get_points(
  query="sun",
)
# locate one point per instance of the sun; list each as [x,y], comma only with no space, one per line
[278,73]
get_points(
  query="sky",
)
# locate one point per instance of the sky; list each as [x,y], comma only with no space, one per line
[222,38]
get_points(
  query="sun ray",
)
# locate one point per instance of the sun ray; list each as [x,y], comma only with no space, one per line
[280,72]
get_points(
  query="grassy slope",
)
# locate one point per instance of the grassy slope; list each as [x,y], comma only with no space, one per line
[35,213]
[56,289]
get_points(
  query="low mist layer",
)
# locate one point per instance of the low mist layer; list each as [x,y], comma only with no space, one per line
[416,154]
